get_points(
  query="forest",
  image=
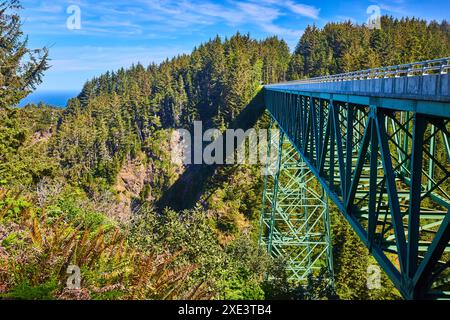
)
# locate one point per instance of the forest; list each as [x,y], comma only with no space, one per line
[82,185]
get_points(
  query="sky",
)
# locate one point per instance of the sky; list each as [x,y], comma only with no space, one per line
[118,33]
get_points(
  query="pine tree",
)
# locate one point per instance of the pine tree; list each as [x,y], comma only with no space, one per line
[21,68]
[296,68]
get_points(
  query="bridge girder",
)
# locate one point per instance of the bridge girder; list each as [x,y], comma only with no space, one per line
[295,224]
[377,161]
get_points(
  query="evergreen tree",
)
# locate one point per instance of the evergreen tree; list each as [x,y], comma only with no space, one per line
[343,47]
[21,68]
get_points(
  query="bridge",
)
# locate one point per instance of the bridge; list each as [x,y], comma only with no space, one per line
[374,144]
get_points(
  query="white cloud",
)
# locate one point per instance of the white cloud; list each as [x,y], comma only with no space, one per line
[294,7]
[49,8]
[397,8]
[99,58]
[302,9]
[115,33]
[142,17]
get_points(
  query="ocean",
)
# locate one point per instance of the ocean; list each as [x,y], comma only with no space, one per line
[54,98]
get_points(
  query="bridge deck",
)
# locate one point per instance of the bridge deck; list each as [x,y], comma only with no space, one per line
[422,87]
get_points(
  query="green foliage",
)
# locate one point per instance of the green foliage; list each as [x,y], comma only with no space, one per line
[11,204]
[24,138]
[69,203]
[232,271]
[351,260]
[246,269]
[25,291]
[13,240]
[117,117]
[39,249]
[127,116]
[343,47]
[21,68]
[276,57]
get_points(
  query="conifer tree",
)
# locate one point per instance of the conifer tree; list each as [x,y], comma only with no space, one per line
[21,68]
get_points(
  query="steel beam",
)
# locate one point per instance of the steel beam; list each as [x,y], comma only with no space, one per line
[399,214]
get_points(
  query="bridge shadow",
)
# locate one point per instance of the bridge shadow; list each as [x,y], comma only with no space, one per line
[189,187]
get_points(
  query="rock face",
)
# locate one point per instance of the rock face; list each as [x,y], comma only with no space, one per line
[41,136]
[131,180]
[157,172]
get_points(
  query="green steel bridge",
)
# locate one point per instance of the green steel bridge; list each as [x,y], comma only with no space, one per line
[375,144]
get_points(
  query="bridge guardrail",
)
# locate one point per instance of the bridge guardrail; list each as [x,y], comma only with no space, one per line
[436,66]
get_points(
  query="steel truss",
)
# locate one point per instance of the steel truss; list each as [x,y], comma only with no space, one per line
[387,170]
[295,222]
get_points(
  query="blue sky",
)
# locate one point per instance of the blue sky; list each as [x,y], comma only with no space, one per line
[117,33]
